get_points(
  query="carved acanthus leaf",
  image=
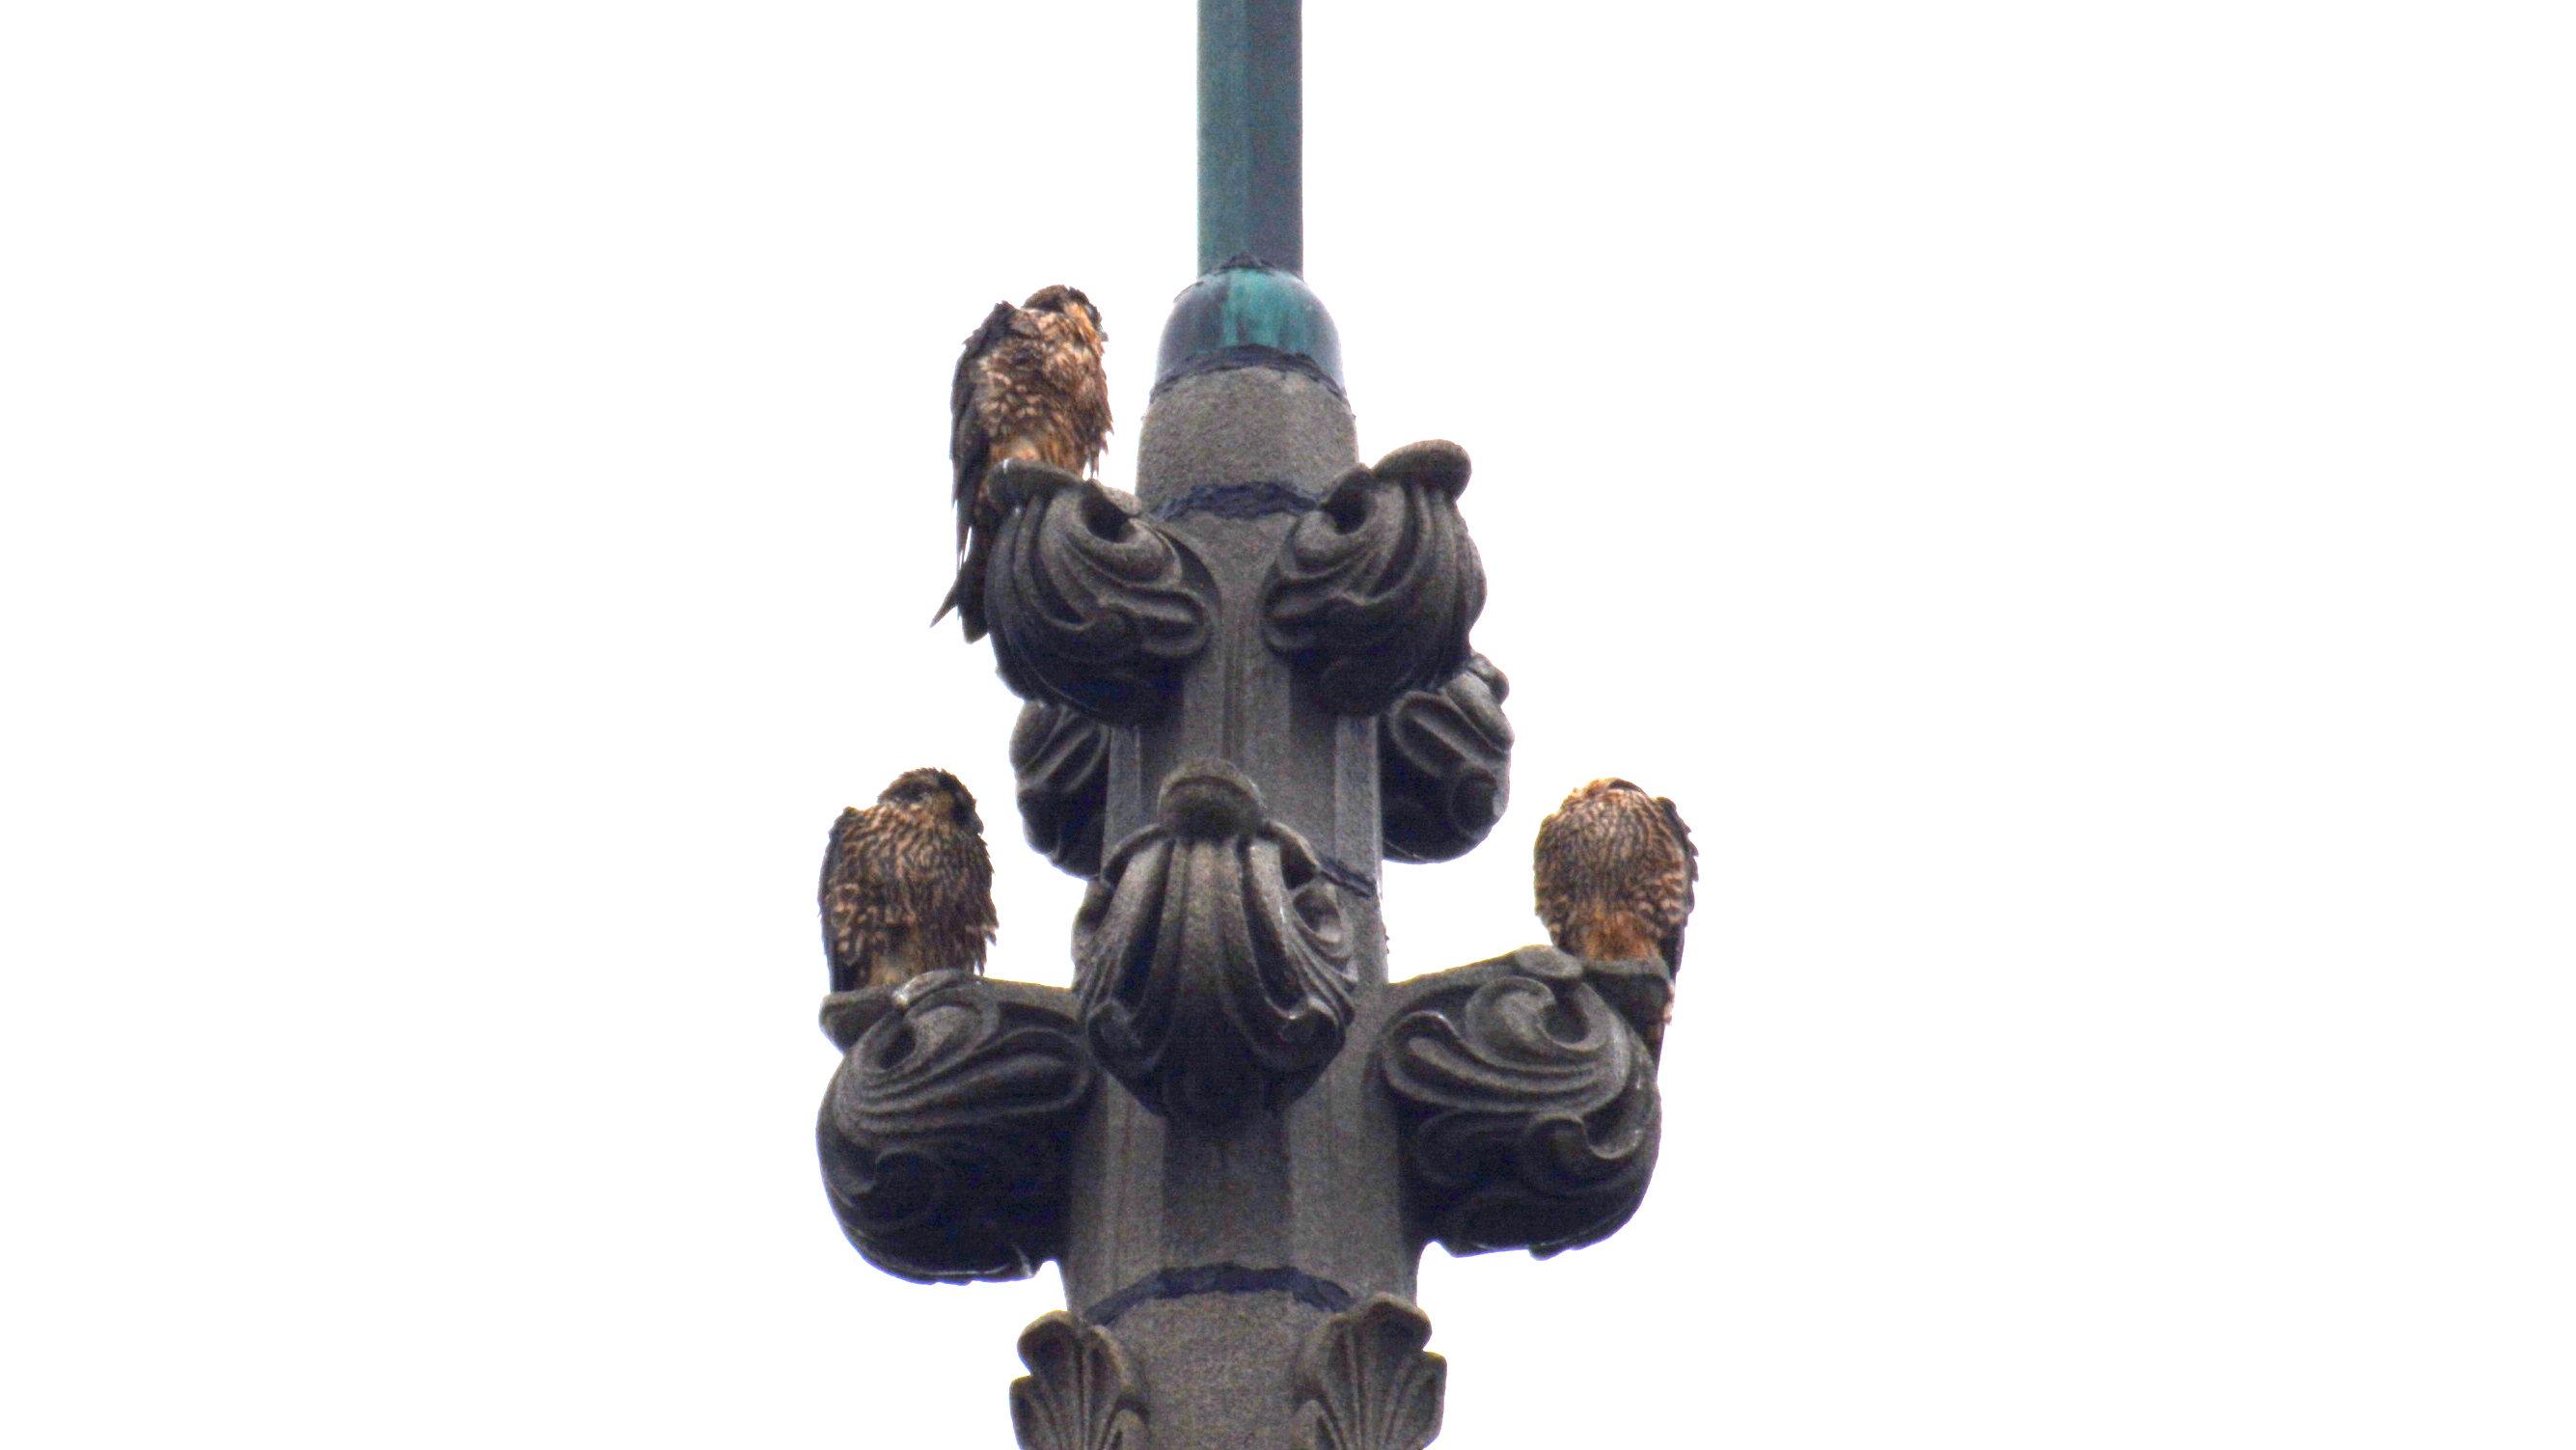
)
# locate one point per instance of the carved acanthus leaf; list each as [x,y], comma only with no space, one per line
[1080,1393]
[1374,592]
[1211,955]
[1445,765]
[943,1132]
[1091,604]
[1530,1103]
[1364,1381]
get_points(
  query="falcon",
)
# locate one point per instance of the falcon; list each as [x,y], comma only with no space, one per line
[907,885]
[1029,385]
[1615,867]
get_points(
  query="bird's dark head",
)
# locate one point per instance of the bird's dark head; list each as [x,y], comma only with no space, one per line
[1604,786]
[937,793]
[1068,301]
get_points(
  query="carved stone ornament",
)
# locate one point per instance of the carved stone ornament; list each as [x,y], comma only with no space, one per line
[1364,1381]
[1090,603]
[1080,1393]
[1374,592]
[1445,765]
[943,1133]
[1060,758]
[1529,1099]
[1211,956]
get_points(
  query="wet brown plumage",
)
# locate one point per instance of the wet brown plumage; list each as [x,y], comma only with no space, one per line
[1029,385]
[1615,867]
[907,884]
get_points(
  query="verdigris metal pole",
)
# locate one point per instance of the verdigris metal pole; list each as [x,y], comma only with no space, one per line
[1247,683]
[1251,133]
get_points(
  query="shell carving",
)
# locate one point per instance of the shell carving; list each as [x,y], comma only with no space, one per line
[1364,1381]
[1212,959]
[1080,1393]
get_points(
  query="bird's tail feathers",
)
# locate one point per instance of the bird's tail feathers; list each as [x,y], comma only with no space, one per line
[966,595]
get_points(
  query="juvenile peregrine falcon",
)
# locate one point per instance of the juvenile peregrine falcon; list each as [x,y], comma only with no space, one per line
[1030,385]
[1615,867]
[907,885]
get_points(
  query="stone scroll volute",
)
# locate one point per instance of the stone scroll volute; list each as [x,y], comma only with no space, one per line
[1060,768]
[1530,1103]
[1091,604]
[1445,765]
[942,1133]
[1374,591]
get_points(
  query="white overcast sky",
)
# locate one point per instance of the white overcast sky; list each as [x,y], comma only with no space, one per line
[2073,500]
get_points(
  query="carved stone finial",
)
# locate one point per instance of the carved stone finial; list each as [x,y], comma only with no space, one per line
[1211,955]
[943,1132]
[1364,1381]
[1530,1102]
[1244,1219]
[1080,1393]
[1445,765]
[1374,592]
[1090,603]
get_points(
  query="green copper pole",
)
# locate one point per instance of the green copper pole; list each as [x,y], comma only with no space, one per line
[1251,133]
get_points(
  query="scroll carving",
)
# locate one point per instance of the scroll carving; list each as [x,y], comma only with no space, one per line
[1060,757]
[1445,765]
[1212,959]
[943,1132]
[1531,1112]
[1091,604]
[1081,1392]
[1364,1381]
[1374,592]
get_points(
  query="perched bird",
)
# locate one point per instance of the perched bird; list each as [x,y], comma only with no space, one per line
[1615,867]
[907,885]
[1029,385]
